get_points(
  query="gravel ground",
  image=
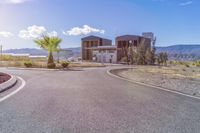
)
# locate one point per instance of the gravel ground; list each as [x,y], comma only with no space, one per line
[186,80]
[4,77]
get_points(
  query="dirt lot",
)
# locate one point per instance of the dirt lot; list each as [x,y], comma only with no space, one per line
[179,78]
[4,77]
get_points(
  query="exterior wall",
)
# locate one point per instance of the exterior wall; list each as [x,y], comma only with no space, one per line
[87,53]
[149,35]
[90,42]
[105,56]
[107,42]
[92,46]
[123,42]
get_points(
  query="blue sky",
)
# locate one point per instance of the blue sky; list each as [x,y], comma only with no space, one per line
[172,21]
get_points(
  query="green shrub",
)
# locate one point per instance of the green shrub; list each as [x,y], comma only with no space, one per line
[187,65]
[171,62]
[65,64]
[28,64]
[51,65]
[198,63]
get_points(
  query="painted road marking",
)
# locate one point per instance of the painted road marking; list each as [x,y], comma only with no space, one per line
[14,92]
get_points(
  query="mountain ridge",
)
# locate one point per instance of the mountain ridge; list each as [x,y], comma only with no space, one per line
[176,52]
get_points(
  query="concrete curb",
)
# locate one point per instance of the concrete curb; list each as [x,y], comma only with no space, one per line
[147,85]
[8,84]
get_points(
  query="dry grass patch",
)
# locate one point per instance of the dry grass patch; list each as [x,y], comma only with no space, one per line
[172,71]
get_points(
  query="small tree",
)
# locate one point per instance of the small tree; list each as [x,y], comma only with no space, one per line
[135,57]
[165,58]
[153,51]
[162,58]
[149,57]
[51,44]
[141,53]
[130,55]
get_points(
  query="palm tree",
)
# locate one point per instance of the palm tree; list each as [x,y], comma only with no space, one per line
[51,44]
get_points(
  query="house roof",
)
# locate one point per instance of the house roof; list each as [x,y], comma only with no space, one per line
[127,37]
[92,38]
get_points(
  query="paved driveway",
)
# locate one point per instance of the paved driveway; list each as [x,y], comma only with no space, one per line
[90,101]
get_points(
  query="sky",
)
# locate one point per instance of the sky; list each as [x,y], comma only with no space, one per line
[172,21]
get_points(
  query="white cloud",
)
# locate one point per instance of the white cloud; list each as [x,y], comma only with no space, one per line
[185,3]
[32,32]
[6,34]
[13,1]
[85,30]
[52,34]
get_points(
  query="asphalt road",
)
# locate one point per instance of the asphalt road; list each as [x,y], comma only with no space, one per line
[90,101]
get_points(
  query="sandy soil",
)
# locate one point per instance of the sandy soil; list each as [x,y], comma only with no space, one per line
[179,78]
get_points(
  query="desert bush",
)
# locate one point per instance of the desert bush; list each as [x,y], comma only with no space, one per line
[65,64]
[171,62]
[6,58]
[187,65]
[28,64]
[197,63]
[14,58]
[51,65]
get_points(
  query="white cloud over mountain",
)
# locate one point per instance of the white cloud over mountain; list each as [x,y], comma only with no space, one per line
[6,34]
[85,30]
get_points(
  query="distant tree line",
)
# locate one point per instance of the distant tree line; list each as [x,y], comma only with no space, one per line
[144,55]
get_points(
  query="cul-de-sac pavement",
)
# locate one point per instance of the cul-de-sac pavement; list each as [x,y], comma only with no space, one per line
[88,100]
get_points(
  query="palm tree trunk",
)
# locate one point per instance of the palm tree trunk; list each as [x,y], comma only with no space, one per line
[50,58]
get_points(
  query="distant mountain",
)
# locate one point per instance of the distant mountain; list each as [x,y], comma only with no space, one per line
[181,52]
[180,49]
[30,51]
[175,52]
[33,51]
